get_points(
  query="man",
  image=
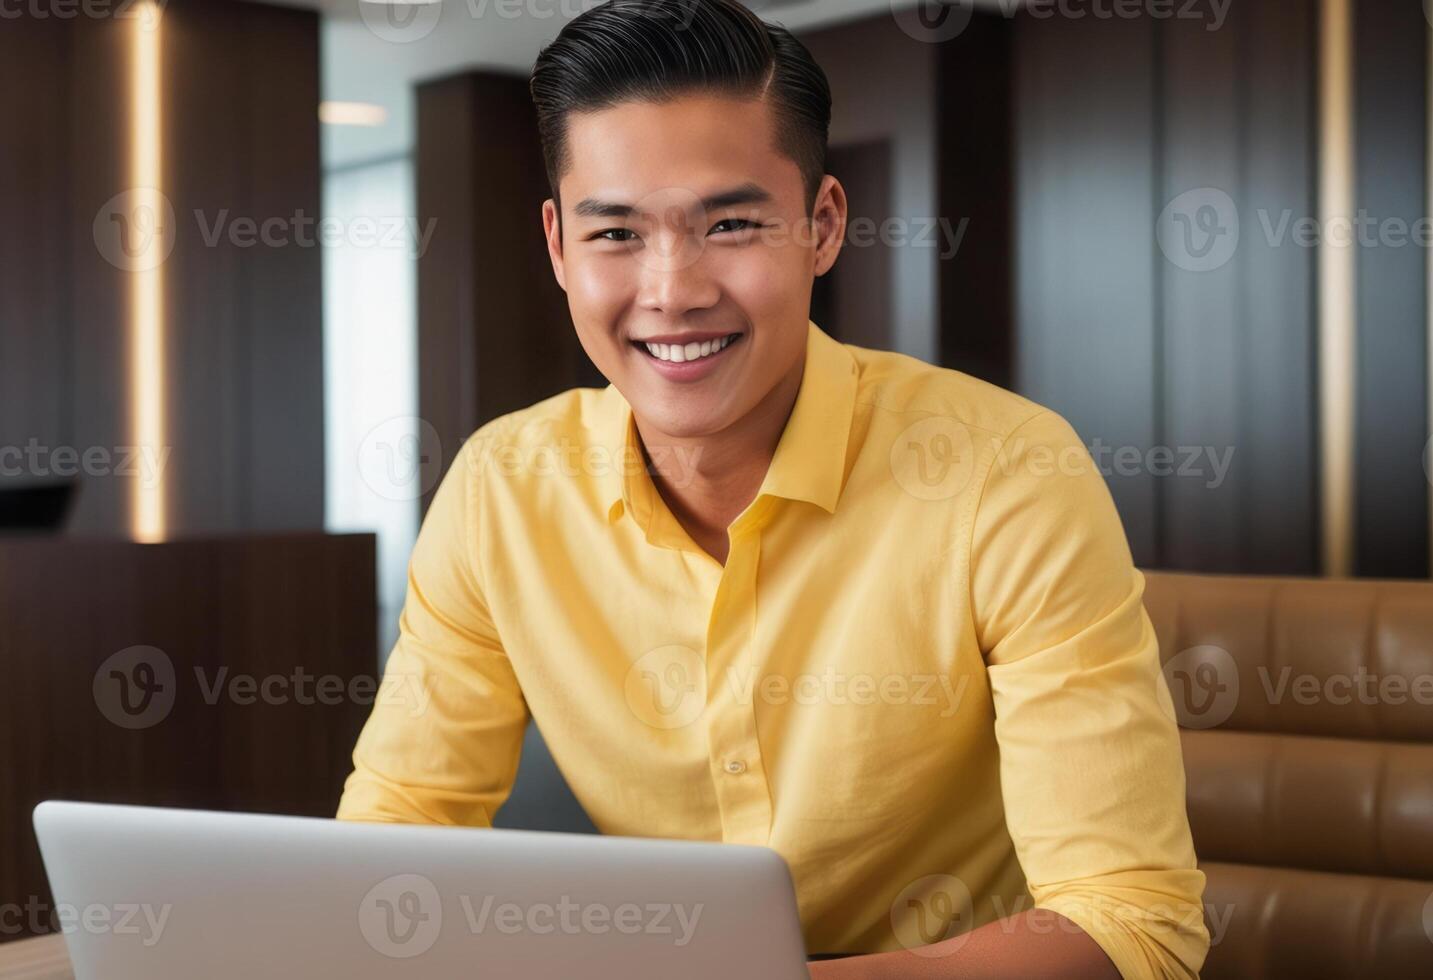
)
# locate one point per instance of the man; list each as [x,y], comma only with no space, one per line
[768,588]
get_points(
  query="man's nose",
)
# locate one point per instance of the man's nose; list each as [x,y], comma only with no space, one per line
[673,277]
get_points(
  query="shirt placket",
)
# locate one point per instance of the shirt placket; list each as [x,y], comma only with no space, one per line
[738,771]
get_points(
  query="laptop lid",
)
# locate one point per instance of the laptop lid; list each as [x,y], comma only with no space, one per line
[147,892]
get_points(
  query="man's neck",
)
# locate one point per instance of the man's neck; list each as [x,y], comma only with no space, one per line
[708,481]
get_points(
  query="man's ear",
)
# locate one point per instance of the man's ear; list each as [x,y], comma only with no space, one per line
[552,230]
[829,220]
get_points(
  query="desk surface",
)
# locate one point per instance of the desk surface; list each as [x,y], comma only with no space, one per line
[42,958]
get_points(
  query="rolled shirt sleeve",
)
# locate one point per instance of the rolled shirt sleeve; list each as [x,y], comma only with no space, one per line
[444,738]
[1090,764]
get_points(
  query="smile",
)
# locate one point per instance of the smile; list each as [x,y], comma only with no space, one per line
[694,351]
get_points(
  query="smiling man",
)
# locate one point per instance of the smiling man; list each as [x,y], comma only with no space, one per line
[876,615]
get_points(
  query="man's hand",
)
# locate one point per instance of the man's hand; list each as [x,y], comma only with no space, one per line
[1034,945]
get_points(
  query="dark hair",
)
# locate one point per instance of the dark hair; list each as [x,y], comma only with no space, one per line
[656,50]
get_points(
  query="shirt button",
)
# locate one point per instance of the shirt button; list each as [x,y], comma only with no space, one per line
[735,766]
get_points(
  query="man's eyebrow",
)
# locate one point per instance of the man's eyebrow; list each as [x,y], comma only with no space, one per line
[748,193]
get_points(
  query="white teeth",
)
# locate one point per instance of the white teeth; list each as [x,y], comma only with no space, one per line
[677,353]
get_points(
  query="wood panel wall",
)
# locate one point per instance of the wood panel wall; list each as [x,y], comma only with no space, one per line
[1086,337]
[244,380]
[1115,120]
[218,609]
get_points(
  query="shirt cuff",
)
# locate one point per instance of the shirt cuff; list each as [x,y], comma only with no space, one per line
[1149,928]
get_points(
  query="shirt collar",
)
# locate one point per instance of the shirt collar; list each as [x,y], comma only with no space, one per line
[810,459]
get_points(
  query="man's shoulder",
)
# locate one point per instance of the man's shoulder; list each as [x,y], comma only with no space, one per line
[557,437]
[904,389]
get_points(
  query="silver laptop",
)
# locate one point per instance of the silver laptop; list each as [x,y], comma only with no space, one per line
[144,893]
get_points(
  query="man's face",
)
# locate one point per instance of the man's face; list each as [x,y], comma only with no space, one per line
[696,314]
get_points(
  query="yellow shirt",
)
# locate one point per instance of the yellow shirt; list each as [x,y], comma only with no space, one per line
[924,676]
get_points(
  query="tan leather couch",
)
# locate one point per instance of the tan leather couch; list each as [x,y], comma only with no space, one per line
[1306,708]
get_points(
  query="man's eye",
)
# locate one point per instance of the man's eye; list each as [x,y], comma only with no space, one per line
[614,231]
[743,222]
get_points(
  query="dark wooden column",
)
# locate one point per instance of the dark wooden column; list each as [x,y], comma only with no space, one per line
[62,305]
[1391,384]
[494,332]
[241,93]
[975,164]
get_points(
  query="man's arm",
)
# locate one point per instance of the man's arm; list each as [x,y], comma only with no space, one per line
[1031,945]
[443,741]
[1091,771]
[1090,764]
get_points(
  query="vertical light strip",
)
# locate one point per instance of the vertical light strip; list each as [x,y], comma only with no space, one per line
[1428,291]
[146,376]
[1337,271]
